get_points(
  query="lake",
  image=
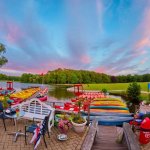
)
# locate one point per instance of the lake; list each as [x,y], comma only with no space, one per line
[55,92]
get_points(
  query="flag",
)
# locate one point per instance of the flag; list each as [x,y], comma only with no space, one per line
[37,134]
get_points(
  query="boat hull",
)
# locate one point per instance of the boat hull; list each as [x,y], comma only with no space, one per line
[109,107]
[111,120]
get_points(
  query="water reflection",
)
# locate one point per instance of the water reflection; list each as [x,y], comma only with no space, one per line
[60,93]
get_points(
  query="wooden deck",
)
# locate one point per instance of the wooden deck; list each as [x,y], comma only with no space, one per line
[106,139]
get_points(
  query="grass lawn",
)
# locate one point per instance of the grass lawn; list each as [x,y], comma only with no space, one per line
[118,88]
[114,86]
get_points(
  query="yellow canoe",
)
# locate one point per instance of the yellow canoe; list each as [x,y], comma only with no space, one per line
[107,99]
[108,103]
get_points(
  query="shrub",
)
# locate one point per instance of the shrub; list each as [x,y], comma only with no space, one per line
[133,93]
[104,90]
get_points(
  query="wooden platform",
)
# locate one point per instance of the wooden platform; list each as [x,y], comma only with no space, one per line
[106,139]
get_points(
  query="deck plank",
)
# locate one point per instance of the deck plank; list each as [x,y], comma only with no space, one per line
[106,139]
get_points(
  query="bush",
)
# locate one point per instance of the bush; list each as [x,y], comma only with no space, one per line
[133,93]
[104,90]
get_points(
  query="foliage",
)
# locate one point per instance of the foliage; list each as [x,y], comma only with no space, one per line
[104,90]
[69,76]
[4,102]
[133,93]
[3,60]
[77,118]
[11,78]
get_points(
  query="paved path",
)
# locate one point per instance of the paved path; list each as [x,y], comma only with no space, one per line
[74,141]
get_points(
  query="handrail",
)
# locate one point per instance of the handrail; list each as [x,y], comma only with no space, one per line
[89,139]
[130,138]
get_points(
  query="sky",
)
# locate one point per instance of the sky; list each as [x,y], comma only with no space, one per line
[106,36]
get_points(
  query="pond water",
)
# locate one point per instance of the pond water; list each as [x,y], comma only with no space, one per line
[55,92]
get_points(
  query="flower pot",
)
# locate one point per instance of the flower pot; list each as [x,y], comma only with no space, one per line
[79,127]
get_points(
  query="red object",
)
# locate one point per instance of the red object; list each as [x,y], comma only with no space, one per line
[10,85]
[145,131]
[78,89]
[44,98]
[42,74]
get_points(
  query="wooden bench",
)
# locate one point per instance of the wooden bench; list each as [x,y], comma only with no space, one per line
[130,137]
[89,139]
[34,108]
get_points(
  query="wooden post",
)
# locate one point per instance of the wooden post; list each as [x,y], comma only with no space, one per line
[53,104]
[90,137]
[88,114]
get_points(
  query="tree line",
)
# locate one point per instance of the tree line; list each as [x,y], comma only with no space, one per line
[69,76]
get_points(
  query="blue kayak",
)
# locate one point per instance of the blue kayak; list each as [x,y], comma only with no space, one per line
[111,120]
[109,107]
[107,114]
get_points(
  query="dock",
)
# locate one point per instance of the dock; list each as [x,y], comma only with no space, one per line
[106,138]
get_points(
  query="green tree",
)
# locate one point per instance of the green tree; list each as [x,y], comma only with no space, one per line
[133,94]
[3,60]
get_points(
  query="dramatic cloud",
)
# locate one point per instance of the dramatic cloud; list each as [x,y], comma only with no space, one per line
[107,36]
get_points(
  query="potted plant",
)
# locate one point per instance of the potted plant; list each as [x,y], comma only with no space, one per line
[78,121]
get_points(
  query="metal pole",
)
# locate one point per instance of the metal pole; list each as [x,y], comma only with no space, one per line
[148,91]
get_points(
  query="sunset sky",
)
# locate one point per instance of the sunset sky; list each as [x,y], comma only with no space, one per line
[109,36]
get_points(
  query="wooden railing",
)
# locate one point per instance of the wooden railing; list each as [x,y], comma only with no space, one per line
[89,139]
[130,137]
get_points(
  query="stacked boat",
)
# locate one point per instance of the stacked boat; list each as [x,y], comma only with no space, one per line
[109,111]
[92,95]
[24,94]
[42,96]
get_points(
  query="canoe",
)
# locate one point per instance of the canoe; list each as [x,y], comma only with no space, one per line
[107,114]
[107,99]
[108,103]
[111,120]
[109,107]
[109,110]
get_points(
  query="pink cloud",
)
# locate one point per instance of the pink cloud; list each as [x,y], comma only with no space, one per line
[85,59]
[101,69]
[142,43]
[143,30]
[14,33]
[142,62]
